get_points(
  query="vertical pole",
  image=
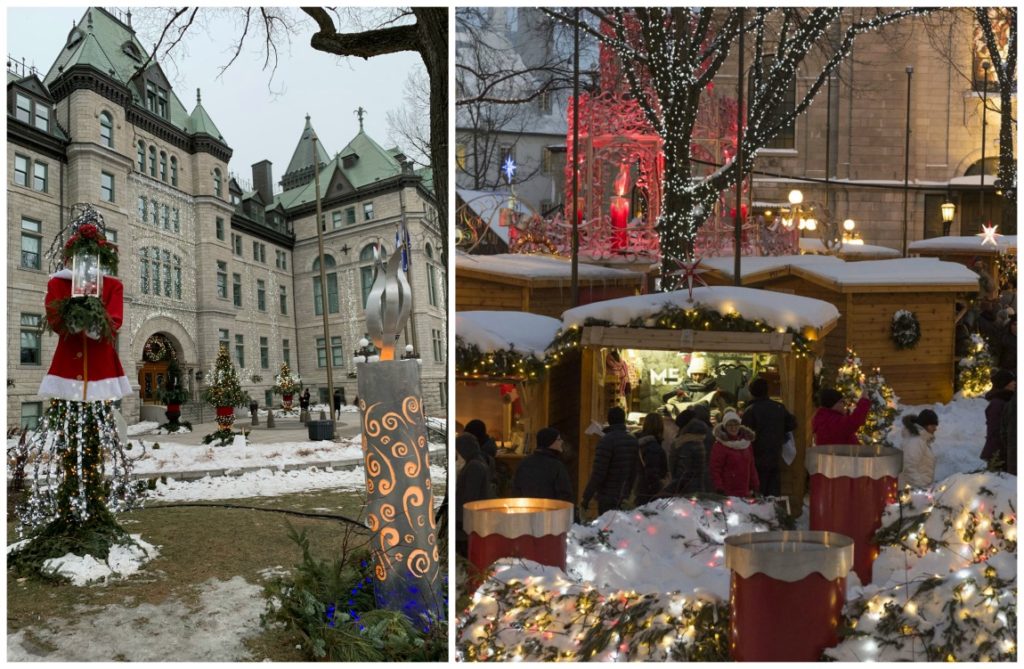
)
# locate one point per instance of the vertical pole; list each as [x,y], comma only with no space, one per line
[575,279]
[738,222]
[329,350]
[828,147]
[906,163]
[984,118]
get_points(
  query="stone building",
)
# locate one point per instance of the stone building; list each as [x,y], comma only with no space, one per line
[204,263]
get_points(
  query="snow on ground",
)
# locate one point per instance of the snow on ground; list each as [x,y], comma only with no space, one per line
[124,560]
[267,483]
[177,457]
[960,437]
[211,628]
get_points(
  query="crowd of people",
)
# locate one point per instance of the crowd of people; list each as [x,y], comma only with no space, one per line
[730,453]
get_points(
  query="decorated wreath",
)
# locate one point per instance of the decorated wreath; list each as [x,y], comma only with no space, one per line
[906,329]
[90,239]
[157,350]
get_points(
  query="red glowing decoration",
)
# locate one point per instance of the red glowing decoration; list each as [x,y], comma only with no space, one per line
[620,210]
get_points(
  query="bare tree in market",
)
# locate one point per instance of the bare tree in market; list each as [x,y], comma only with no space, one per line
[671,55]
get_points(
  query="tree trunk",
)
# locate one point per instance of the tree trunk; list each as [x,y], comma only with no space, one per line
[432,29]
[1007,161]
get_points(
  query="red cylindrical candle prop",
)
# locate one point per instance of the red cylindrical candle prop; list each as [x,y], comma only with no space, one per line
[525,527]
[775,574]
[850,488]
[620,219]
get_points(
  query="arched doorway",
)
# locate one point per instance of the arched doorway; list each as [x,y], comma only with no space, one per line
[156,358]
[976,210]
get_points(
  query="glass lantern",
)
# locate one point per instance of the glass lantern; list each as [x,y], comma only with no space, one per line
[86,277]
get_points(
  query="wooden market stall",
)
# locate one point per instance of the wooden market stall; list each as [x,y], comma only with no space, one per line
[867,295]
[851,251]
[538,284]
[504,378]
[640,338]
[971,253]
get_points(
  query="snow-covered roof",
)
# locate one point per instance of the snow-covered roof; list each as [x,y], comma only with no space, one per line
[778,310]
[487,206]
[529,266]
[965,244]
[811,245]
[751,265]
[503,330]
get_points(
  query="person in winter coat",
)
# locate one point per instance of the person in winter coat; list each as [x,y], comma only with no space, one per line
[702,412]
[1007,344]
[542,473]
[472,483]
[337,404]
[488,447]
[653,463]
[832,425]
[611,477]
[733,472]
[771,422]
[918,457]
[689,459]
[1009,432]
[996,451]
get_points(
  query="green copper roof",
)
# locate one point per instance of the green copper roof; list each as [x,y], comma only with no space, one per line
[200,122]
[427,174]
[303,155]
[100,41]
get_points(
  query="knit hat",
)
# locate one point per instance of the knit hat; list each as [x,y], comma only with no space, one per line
[730,417]
[759,387]
[684,417]
[695,426]
[1002,378]
[546,436]
[926,418]
[828,397]
[467,446]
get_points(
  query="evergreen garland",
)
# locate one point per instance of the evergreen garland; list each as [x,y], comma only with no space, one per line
[74,315]
[505,363]
[905,330]
[89,239]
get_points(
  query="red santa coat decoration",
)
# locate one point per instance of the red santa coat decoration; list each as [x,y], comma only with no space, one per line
[84,368]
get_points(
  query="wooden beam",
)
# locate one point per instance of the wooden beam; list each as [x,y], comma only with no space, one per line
[686,340]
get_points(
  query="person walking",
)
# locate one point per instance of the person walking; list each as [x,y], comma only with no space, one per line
[652,460]
[472,483]
[542,473]
[689,460]
[771,422]
[304,400]
[733,472]
[337,404]
[832,425]
[611,477]
[918,457]
[996,451]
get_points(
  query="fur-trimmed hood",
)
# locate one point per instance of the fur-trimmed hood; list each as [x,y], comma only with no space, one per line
[742,440]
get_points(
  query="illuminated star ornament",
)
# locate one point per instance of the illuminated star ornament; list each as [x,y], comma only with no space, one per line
[989,235]
[508,168]
[690,273]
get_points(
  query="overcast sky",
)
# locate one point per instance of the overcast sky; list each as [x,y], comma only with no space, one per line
[259,117]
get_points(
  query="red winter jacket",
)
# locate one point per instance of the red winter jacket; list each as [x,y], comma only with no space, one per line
[836,427]
[85,369]
[732,463]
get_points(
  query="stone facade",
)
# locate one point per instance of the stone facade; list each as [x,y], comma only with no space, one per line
[177,235]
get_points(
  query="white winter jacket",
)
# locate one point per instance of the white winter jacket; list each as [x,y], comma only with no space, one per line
[918,458]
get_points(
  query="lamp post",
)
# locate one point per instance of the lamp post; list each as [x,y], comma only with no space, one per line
[985,65]
[948,212]
[906,163]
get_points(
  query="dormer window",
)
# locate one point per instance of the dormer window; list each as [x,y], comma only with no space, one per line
[156,99]
[349,161]
[32,112]
[131,51]
[74,37]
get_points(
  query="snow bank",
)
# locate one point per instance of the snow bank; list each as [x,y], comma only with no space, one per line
[529,266]
[778,310]
[177,457]
[960,437]
[123,560]
[529,334]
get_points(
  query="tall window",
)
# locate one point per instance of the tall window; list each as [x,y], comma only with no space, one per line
[366,269]
[23,108]
[165,216]
[163,166]
[152,161]
[31,339]
[176,219]
[31,412]
[264,353]
[240,350]
[431,278]
[31,243]
[40,177]
[43,117]
[337,360]
[161,268]
[335,219]
[106,130]
[236,242]
[223,339]
[350,216]
[321,352]
[176,270]
[437,341]
[21,170]
[106,187]
[261,294]
[284,300]
[332,286]
[219,227]
[286,352]
[236,289]
[143,208]
[218,182]
[144,270]
[368,211]
[155,212]
[140,156]
[222,279]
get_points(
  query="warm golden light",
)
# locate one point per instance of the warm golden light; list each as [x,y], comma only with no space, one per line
[948,211]
[849,225]
[795,197]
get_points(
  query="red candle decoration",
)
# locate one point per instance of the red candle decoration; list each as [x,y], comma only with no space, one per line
[620,210]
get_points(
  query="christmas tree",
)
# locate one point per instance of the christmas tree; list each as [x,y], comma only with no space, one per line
[975,377]
[224,393]
[285,383]
[173,394]
[851,382]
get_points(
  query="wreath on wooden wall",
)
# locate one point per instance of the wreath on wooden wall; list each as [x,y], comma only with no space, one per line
[157,349]
[906,329]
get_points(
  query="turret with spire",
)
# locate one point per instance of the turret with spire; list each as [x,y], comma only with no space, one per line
[301,166]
